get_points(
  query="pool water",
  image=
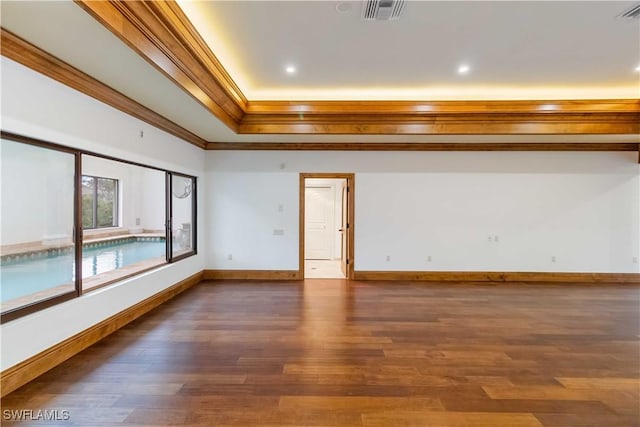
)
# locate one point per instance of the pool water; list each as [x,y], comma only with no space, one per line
[25,277]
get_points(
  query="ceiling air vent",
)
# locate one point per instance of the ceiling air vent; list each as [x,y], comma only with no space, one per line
[382,10]
[633,13]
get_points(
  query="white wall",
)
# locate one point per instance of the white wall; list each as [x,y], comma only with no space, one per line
[242,213]
[37,193]
[37,106]
[583,208]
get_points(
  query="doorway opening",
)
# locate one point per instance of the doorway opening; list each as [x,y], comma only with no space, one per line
[326,225]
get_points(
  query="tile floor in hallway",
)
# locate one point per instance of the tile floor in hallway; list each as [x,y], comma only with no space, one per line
[322,269]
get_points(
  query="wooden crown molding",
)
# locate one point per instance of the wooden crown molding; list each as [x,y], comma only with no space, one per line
[417,146]
[486,125]
[444,117]
[19,50]
[162,34]
[545,107]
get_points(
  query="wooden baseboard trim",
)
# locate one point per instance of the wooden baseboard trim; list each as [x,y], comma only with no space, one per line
[251,275]
[20,374]
[486,276]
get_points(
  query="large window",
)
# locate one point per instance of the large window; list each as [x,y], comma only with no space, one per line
[139,241]
[73,221]
[99,202]
[181,211]
[38,245]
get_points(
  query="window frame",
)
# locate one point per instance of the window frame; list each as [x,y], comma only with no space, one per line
[35,306]
[116,201]
[169,215]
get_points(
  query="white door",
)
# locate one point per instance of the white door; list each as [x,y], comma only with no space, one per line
[344,231]
[318,213]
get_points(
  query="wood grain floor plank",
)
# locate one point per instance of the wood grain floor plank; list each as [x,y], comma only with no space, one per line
[575,420]
[446,419]
[584,407]
[338,353]
[628,384]
[359,403]
[552,392]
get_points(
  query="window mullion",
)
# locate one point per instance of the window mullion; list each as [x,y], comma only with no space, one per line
[95,202]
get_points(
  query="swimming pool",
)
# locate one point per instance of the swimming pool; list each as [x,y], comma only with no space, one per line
[22,277]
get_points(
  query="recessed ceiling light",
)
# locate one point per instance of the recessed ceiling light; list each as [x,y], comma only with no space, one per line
[548,107]
[343,7]
[290,69]
[463,69]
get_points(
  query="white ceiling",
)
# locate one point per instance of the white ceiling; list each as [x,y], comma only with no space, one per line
[82,42]
[515,49]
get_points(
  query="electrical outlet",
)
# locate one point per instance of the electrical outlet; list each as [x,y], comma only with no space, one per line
[496,238]
[429,258]
[388,258]
[635,259]
[278,232]
[490,238]
[553,258]
[230,257]
[280,207]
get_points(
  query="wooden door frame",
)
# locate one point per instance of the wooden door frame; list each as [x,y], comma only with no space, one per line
[351,184]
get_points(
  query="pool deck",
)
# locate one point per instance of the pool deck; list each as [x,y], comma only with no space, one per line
[35,247]
[88,284]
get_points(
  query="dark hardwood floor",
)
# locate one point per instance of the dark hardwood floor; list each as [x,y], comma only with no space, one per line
[333,353]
